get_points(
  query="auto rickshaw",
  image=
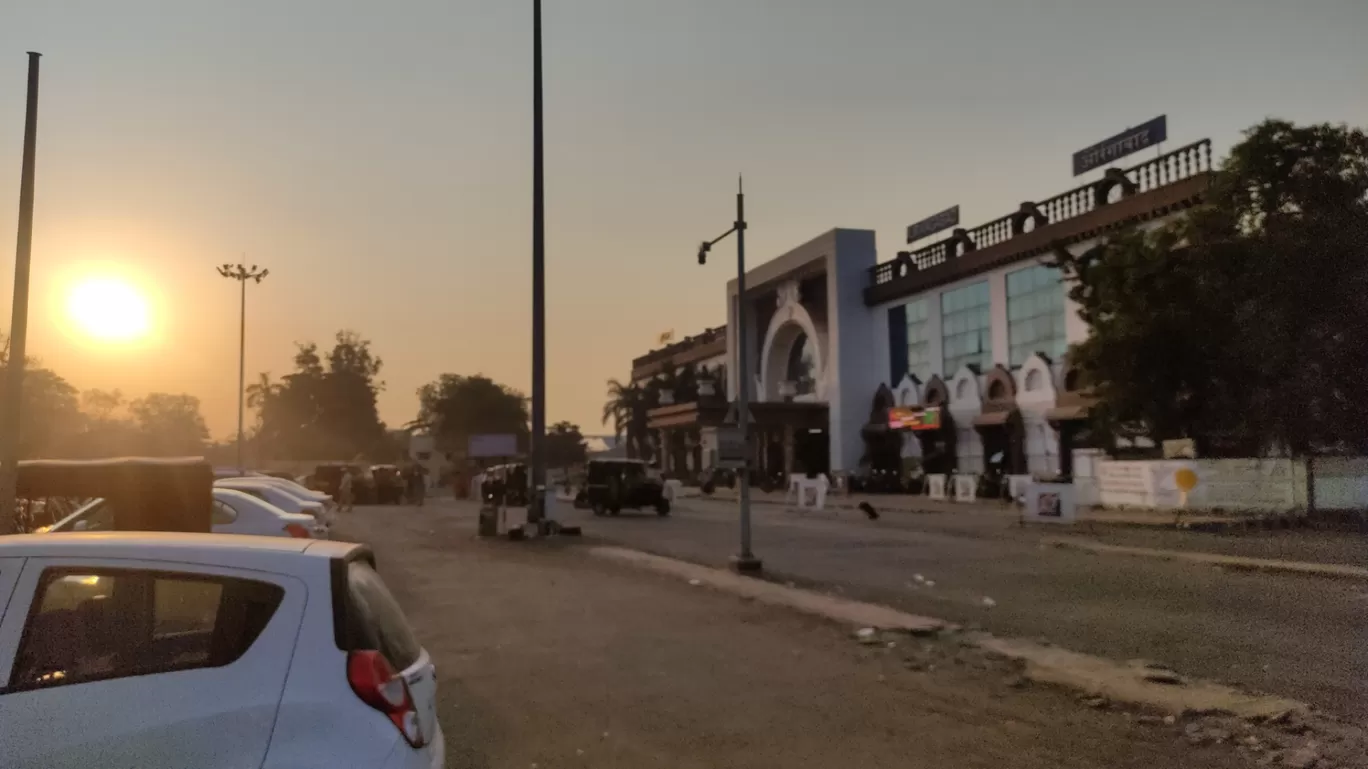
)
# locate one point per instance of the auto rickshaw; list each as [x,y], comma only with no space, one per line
[612,485]
[145,494]
[389,484]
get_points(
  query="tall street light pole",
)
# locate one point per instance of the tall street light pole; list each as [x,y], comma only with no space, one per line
[745,560]
[18,342]
[537,508]
[242,274]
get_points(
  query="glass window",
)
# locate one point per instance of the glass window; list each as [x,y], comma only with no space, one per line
[1035,313]
[379,623]
[802,366]
[919,340]
[90,625]
[966,327]
[223,514]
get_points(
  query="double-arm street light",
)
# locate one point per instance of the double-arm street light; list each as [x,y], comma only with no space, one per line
[242,274]
[744,560]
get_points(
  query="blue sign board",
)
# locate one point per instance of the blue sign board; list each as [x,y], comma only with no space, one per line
[1128,141]
[933,224]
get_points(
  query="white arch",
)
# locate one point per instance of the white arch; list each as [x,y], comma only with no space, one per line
[908,391]
[1035,382]
[784,328]
[965,391]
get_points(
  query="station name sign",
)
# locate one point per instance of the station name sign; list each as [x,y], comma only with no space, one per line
[1129,141]
[933,224]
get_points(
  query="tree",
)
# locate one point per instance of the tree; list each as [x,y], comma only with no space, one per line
[455,407]
[105,433]
[626,407]
[565,445]
[1239,325]
[171,425]
[326,408]
[49,413]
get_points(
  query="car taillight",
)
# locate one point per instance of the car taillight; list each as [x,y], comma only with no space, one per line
[298,530]
[376,683]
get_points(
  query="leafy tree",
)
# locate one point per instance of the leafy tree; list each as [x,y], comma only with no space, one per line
[565,445]
[326,408]
[171,425]
[49,412]
[104,433]
[455,407]
[1241,324]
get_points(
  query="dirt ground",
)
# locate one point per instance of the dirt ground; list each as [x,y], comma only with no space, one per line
[549,658]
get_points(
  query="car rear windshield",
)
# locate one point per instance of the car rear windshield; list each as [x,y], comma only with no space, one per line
[374,619]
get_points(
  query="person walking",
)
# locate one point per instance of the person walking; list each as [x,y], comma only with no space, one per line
[345,499]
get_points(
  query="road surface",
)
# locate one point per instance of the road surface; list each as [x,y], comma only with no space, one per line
[548,658]
[1295,636]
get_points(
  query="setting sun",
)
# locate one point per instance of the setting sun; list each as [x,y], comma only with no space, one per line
[108,310]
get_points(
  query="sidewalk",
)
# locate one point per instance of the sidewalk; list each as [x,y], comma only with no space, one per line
[550,657]
[914,503]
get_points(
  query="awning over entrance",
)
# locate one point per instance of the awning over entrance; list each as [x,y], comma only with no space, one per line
[693,414]
[1068,413]
[992,419]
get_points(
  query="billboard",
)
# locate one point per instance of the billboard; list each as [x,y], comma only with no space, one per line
[492,446]
[914,418]
[1131,140]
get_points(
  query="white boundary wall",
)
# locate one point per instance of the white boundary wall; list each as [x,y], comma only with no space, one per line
[1250,485]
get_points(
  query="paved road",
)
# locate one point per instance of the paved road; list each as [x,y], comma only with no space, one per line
[1300,637]
[550,658]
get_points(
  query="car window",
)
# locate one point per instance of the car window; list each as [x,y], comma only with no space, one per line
[223,513]
[93,625]
[97,516]
[379,623]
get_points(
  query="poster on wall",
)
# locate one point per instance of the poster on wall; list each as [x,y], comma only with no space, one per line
[1050,503]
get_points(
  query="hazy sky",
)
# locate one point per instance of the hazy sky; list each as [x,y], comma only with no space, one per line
[376,156]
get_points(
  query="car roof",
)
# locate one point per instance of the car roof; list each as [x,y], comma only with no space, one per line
[279,554]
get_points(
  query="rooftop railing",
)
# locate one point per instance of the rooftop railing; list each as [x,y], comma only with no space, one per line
[1116,184]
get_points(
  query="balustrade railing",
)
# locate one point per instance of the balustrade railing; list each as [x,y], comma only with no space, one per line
[1182,163]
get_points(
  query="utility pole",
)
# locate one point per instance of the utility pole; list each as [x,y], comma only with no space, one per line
[10,423]
[537,508]
[242,274]
[744,561]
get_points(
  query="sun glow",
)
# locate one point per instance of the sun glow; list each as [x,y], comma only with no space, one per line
[109,310]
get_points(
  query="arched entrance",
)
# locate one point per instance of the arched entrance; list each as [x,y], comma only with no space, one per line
[883,447]
[1000,426]
[802,365]
[938,446]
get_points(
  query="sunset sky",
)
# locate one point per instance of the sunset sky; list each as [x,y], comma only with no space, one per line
[376,157]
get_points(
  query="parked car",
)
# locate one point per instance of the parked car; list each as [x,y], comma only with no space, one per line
[167,651]
[327,478]
[279,497]
[294,488]
[234,513]
[612,485]
[389,484]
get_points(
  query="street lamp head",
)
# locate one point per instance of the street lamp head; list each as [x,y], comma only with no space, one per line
[703,252]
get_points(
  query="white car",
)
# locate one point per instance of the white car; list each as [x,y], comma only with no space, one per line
[170,651]
[277,496]
[294,487]
[234,513]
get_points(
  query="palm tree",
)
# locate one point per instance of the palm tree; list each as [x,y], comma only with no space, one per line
[259,393]
[626,407]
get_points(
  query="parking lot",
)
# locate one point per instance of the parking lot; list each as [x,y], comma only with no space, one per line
[549,658]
